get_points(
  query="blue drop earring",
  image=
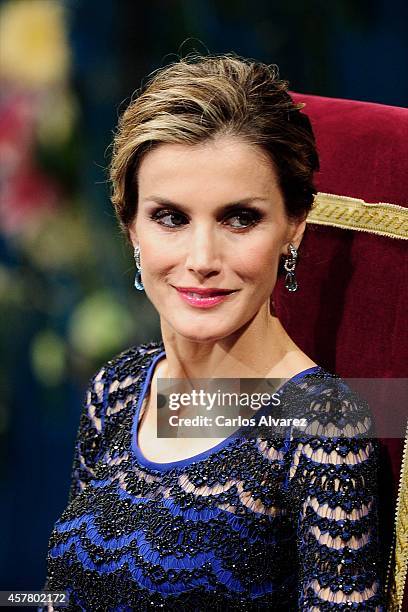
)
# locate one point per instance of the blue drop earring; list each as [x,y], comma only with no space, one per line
[138,277]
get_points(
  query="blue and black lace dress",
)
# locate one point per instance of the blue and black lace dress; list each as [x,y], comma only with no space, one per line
[254,523]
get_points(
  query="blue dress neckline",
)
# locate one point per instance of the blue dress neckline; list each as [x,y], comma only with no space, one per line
[180,463]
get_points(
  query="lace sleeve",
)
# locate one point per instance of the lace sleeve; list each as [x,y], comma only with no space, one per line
[90,433]
[333,484]
[88,443]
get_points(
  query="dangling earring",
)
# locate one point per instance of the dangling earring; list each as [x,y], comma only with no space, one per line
[290,265]
[138,277]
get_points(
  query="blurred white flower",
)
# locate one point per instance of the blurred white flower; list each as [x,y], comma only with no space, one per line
[100,325]
[56,117]
[57,239]
[48,357]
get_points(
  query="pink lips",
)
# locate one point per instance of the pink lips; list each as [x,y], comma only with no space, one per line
[203,298]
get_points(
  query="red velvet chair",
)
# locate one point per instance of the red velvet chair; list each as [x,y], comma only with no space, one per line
[349,311]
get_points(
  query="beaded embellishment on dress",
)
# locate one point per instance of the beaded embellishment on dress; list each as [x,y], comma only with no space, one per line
[259,524]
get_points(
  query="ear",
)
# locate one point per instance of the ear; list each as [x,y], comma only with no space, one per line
[294,235]
[133,235]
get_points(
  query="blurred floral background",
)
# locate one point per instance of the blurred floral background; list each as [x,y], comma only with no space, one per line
[67,301]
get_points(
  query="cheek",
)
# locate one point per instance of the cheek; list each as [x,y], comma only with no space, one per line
[156,260]
[261,260]
[156,271]
[159,249]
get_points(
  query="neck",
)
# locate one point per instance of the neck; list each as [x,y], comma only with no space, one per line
[259,349]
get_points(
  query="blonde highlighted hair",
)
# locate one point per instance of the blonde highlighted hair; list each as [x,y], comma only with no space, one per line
[202,97]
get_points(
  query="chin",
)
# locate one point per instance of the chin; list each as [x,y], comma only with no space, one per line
[201,333]
[202,337]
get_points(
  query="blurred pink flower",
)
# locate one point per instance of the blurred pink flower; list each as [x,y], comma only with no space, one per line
[17,126]
[25,191]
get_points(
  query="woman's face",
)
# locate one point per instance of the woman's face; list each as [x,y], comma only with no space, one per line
[210,216]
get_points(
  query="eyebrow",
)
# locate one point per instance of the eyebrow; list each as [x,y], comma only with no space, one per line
[223,208]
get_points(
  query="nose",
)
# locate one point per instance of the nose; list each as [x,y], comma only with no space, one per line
[203,257]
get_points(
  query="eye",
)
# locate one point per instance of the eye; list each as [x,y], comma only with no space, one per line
[247,217]
[168,218]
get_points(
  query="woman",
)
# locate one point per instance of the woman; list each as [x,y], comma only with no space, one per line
[212,177]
